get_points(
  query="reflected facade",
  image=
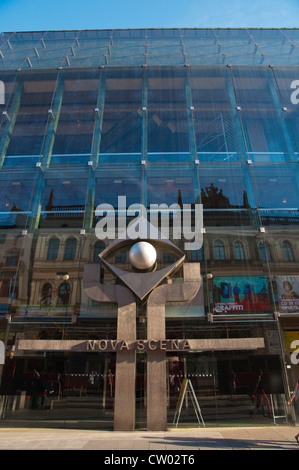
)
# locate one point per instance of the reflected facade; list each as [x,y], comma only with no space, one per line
[160,116]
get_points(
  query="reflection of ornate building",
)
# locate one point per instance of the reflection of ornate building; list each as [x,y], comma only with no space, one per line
[223,254]
[93,116]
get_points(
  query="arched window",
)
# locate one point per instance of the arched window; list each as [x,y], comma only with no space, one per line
[239,251]
[12,258]
[98,248]
[70,248]
[64,293]
[53,248]
[46,294]
[265,253]
[121,257]
[219,250]
[167,258]
[197,255]
[287,251]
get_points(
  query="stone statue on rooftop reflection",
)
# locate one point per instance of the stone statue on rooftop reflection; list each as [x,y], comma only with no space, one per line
[213,198]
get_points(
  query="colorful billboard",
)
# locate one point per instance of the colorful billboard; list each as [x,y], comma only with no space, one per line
[288,293]
[240,294]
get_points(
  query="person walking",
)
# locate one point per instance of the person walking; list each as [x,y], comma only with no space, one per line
[259,392]
[295,396]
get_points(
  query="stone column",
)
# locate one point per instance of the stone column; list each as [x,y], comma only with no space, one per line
[125,373]
[156,368]
[156,361]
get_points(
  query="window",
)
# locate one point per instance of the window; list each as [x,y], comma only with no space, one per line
[219,250]
[287,251]
[197,255]
[46,294]
[64,293]
[265,253]
[12,259]
[239,251]
[168,258]
[53,249]
[121,257]
[9,285]
[98,248]
[70,249]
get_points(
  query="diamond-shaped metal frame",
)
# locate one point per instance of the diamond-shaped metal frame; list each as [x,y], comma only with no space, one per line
[142,283]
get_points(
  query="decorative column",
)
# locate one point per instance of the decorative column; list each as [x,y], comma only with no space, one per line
[54,114]
[53,119]
[94,158]
[125,373]
[11,117]
[156,360]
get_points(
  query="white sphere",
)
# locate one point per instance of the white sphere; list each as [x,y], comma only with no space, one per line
[142,255]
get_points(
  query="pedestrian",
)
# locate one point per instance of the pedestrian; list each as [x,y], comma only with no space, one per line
[295,396]
[233,385]
[259,392]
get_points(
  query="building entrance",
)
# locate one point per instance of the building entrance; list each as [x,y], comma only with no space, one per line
[77,390]
[59,390]
[224,384]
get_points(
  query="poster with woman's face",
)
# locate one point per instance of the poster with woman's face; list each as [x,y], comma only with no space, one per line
[288,293]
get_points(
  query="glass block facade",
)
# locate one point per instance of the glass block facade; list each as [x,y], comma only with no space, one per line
[160,116]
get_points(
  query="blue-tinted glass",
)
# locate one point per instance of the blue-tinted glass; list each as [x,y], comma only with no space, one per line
[219,250]
[177,59]
[288,60]
[216,59]
[115,181]
[64,294]
[287,251]
[231,33]
[53,249]
[63,198]
[121,128]
[200,49]
[171,184]
[265,32]
[198,33]
[287,81]
[76,98]
[70,249]
[35,92]
[167,111]
[214,123]
[261,114]
[276,185]
[16,194]
[98,248]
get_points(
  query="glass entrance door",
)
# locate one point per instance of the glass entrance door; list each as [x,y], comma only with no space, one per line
[223,383]
[197,375]
[70,390]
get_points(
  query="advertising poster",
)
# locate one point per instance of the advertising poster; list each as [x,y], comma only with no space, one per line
[291,340]
[288,293]
[240,294]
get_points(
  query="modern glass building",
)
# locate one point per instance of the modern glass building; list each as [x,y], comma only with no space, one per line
[182,117]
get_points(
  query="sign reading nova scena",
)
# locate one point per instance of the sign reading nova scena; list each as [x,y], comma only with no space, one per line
[140,345]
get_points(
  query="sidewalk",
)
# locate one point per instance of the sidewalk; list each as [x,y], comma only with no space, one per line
[191,439]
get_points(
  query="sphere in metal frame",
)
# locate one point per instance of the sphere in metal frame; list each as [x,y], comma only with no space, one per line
[142,255]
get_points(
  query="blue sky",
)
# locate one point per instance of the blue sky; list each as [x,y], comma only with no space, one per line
[37,15]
